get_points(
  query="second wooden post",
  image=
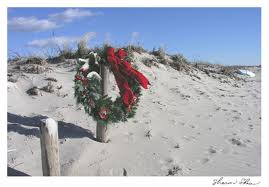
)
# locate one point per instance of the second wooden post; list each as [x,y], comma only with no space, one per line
[100,128]
[49,147]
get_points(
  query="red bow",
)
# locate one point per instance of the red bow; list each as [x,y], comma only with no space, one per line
[123,69]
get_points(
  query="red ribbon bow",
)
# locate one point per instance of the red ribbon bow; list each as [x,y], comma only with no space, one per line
[123,70]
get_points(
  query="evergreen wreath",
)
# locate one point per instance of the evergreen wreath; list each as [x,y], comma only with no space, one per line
[88,86]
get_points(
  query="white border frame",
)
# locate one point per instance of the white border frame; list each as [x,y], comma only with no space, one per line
[120,181]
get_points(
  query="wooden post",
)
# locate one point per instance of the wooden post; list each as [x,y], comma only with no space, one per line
[100,128]
[49,147]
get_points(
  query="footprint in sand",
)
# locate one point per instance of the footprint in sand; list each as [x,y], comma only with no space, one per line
[218,108]
[237,142]
[250,127]
[211,151]
[172,168]
[192,126]
[236,115]
[236,118]
[175,170]
[205,160]
[177,146]
[237,112]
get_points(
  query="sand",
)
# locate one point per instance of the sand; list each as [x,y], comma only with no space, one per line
[184,126]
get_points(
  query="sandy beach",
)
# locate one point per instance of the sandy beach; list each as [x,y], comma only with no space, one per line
[187,124]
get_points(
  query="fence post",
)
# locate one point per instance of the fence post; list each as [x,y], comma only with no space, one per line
[100,128]
[49,147]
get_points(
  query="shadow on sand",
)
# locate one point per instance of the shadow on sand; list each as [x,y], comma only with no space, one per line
[14,172]
[29,126]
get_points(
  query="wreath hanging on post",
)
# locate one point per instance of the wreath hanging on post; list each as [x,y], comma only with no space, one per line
[88,90]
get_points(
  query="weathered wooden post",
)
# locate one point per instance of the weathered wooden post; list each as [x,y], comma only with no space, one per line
[49,147]
[100,128]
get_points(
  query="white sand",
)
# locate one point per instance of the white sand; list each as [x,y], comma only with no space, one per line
[194,127]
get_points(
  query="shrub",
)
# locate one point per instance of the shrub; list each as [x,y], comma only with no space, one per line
[179,62]
[135,48]
[82,49]
[160,53]
[147,61]
[35,60]
[179,58]
[180,66]
[57,59]
[67,54]
[228,71]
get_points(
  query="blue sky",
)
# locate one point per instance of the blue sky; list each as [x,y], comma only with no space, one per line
[218,35]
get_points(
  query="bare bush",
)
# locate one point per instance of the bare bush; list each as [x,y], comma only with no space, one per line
[82,48]
[48,88]
[180,63]
[33,68]
[134,48]
[149,62]
[179,58]
[213,69]
[160,55]
[51,79]
[12,78]
[35,60]
[67,54]
[34,91]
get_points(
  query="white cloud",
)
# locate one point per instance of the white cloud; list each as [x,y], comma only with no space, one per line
[33,24]
[60,41]
[49,42]
[30,24]
[73,13]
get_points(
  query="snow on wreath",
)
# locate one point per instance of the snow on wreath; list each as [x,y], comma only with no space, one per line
[88,86]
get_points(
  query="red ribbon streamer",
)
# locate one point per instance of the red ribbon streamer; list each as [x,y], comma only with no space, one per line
[123,70]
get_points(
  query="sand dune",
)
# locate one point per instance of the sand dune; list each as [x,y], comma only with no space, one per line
[185,125]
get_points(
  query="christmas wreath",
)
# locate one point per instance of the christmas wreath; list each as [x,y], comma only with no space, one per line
[88,85]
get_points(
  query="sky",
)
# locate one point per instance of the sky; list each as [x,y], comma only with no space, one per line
[230,36]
